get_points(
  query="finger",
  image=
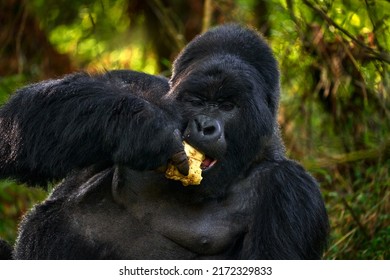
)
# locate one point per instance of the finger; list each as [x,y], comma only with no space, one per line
[178,141]
[180,160]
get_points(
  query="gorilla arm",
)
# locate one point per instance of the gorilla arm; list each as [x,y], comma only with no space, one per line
[53,127]
[290,221]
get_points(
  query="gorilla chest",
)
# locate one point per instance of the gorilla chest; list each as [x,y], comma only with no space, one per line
[164,230]
[208,229]
[143,218]
[166,226]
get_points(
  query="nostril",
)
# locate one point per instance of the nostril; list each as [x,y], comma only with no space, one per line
[203,129]
[209,130]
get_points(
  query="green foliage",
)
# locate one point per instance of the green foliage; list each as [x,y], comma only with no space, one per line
[359,212]
[8,84]
[335,106]
[96,34]
[335,114]
[15,200]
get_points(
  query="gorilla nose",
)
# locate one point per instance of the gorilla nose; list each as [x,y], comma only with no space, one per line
[205,129]
[207,135]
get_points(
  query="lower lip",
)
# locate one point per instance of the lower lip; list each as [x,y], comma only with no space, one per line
[210,166]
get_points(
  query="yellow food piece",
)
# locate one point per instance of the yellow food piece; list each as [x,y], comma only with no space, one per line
[194,176]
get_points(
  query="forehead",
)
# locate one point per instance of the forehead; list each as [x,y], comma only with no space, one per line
[216,80]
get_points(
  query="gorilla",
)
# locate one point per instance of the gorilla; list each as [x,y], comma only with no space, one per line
[107,140]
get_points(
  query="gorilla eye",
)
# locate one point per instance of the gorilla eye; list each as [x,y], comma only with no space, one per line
[227,106]
[196,103]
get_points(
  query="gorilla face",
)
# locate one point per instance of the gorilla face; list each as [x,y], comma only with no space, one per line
[225,115]
[226,86]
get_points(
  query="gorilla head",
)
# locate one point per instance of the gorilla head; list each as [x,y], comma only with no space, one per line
[227,84]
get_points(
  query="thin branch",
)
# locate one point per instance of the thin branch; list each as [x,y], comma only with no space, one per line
[207,13]
[298,23]
[382,56]
[339,241]
[19,35]
[374,26]
[167,22]
[362,228]
[356,65]
[382,151]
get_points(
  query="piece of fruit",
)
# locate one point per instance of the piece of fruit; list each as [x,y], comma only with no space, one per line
[194,176]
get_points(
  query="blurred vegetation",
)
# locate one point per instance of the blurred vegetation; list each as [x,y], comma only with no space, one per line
[334,58]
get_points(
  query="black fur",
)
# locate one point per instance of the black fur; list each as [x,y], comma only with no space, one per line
[5,250]
[111,135]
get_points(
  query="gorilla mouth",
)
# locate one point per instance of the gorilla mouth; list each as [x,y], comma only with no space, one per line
[207,163]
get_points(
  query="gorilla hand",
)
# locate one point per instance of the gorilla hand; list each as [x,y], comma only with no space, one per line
[194,174]
[180,159]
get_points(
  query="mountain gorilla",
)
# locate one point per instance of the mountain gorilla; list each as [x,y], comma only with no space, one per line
[111,136]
